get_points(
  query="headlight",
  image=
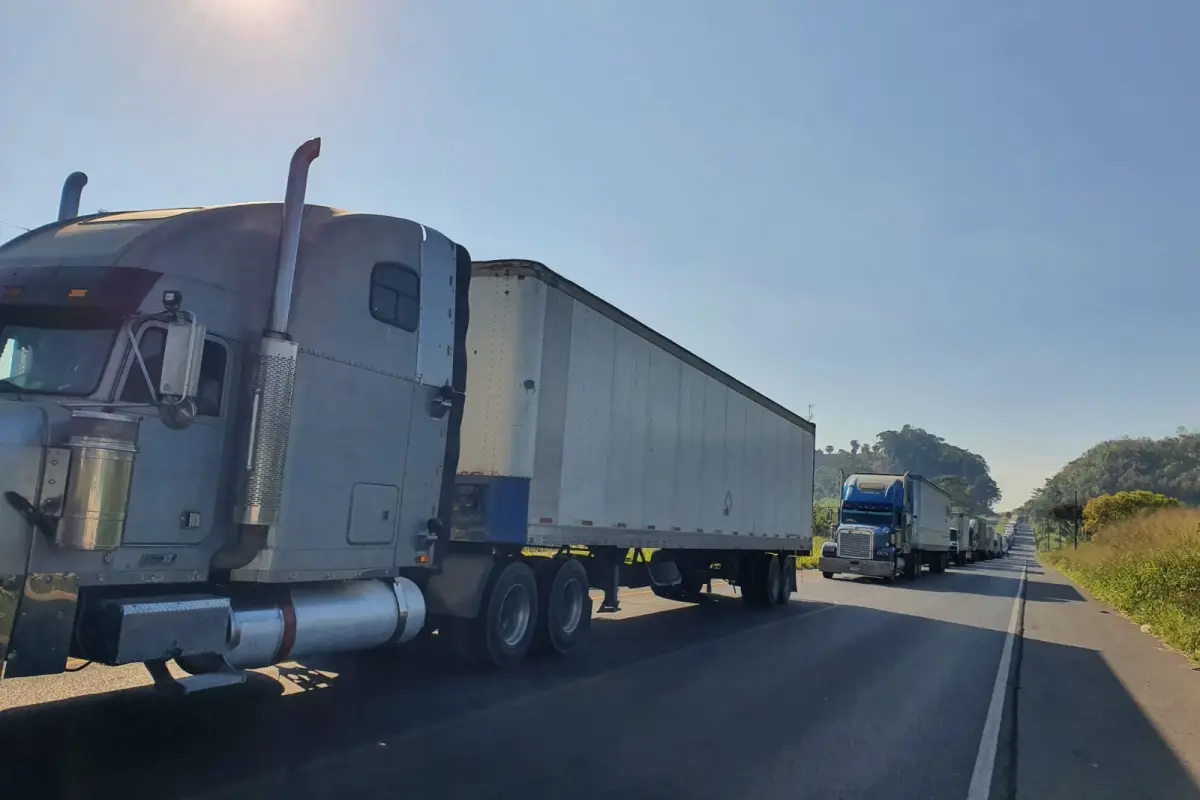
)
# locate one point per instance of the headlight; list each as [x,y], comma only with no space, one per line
[829,549]
[883,552]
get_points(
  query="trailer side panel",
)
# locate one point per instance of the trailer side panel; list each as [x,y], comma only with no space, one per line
[622,441]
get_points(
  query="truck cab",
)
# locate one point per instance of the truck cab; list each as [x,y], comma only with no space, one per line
[211,436]
[889,526]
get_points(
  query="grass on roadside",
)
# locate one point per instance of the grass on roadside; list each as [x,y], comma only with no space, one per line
[810,562]
[1149,569]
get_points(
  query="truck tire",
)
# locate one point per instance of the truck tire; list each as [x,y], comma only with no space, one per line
[758,585]
[786,582]
[564,606]
[938,565]
[827,575]
[503,632]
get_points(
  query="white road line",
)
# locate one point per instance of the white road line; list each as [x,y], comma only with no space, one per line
[985,761]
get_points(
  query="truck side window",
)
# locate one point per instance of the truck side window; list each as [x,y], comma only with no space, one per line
[396,295]
[212,373]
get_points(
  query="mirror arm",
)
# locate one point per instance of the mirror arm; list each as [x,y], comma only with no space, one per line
[137,354]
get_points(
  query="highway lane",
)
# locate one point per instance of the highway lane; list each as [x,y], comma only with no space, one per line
[857,689]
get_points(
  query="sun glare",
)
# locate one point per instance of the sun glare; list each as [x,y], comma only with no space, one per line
[249,17]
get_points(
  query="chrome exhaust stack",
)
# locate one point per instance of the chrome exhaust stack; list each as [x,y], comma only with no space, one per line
[289,235]
[273,376]
[72,191]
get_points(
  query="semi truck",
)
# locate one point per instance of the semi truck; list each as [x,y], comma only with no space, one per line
[236,436]
[889,526]
[961,546]
[982,534]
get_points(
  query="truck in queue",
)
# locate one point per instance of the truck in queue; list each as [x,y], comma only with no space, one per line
[982,534]
[889,526]
[961,546]
[234,436]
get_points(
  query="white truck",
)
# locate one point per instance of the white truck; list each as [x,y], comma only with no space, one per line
[889,526]
[240,435]
[982,535]
[961,532]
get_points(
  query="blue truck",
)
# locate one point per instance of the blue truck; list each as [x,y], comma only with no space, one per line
[889,526]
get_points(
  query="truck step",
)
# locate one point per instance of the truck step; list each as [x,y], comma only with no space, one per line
[167,683]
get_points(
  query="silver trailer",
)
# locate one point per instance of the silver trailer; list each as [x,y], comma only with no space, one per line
[593,430]
[231,436]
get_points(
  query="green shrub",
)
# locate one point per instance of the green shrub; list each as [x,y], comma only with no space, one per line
[1109,509]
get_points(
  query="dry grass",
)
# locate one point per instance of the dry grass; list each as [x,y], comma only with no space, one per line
[810,562]
[1149,569]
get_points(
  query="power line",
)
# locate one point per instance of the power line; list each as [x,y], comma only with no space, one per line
[15,225]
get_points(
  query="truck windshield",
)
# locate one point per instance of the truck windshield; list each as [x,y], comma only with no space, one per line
[852,516]
[52,350]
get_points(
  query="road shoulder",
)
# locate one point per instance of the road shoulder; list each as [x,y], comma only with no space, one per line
[1103,710]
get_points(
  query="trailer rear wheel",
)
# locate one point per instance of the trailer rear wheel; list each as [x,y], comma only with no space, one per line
[787,583]
[504,629]
[564,606]
[765,585]
[755,580]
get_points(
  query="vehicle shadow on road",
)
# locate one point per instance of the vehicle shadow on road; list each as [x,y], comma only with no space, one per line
[1082,735]
[468,732]
[1046,592]
[642,732]
[363,696]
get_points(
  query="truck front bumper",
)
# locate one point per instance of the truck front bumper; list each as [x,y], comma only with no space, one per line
[857,566]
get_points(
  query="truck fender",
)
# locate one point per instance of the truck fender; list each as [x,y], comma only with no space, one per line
[457,590]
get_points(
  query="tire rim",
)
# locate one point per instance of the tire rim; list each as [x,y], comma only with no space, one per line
[571,608]
[514,615]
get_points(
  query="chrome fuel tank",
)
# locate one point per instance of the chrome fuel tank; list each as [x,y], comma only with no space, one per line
[23,431]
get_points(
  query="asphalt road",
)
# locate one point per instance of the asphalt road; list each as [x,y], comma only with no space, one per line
[856,690]
[1104,711]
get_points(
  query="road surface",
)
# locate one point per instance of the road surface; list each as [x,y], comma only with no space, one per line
[856,690]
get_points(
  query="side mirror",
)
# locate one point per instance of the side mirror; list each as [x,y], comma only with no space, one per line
[178,415]
[182,352]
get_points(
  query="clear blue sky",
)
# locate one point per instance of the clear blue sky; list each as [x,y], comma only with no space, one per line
[978,218]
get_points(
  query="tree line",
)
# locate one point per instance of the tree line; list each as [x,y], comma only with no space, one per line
[1169,466]
[963,474]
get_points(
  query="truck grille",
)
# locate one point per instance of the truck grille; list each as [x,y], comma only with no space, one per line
[852,544]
